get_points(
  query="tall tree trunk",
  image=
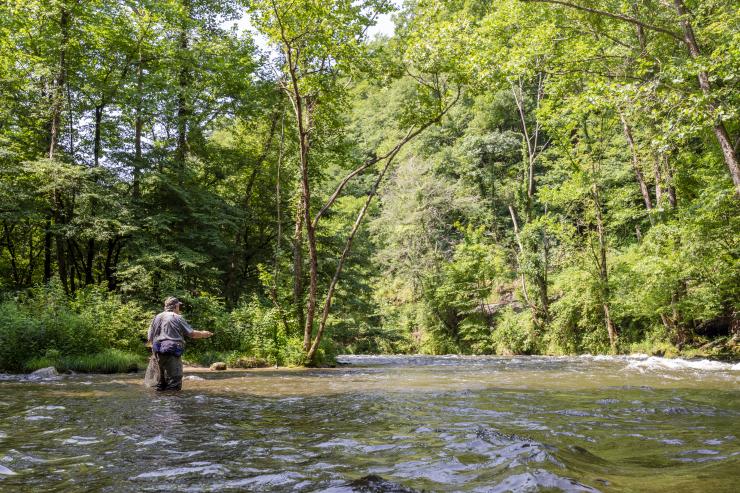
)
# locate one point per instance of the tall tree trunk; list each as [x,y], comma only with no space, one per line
[184,79]
[658,180]
[97,148]
[636,167]
[56,117]
[107,268]
[531,137]
[11,252]
[298,267]
[279,226]
[47,250]
[728,151]
[61,262]
[522,278]
[73,269]
[303,108]
[313,261]
[542,278]
[603,270]
[58,90]
[138,127]
[96,139]
[669,179]
[31,256]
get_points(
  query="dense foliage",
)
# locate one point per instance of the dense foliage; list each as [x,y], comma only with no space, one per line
[519,176]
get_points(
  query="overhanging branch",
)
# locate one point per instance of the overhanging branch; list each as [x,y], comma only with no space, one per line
[410,135]
[621,17]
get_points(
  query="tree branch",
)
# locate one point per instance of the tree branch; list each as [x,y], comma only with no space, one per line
[410,135]
[620,17]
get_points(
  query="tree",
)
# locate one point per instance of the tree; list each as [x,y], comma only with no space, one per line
[686,36]
[322,46]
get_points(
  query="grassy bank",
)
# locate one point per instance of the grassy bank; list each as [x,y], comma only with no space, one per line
[100,332]
[108,361]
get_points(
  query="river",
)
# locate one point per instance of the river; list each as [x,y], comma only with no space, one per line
[397,423]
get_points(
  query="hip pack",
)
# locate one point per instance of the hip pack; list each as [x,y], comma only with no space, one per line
[168,347]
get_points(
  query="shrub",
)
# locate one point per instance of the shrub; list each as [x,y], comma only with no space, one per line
[259,331]
[117,324]
[21,336]
[43,319]
[515,333]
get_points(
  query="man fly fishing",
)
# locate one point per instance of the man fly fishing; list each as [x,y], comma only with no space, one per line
[166,336]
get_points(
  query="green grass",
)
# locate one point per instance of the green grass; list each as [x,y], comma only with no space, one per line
[108,361]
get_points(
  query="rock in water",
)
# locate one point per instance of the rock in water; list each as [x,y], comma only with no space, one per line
[219,366]
[45,373]
[376,484]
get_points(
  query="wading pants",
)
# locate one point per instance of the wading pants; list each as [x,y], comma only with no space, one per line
[164,372]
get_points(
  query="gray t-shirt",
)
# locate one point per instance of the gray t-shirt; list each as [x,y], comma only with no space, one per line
[169,326]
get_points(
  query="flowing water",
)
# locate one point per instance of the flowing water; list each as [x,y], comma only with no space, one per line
[483,424]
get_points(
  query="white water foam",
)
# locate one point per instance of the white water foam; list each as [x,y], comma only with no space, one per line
[78,440]
[156,439]
[656,363]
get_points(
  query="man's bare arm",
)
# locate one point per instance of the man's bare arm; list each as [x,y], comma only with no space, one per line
[201,334]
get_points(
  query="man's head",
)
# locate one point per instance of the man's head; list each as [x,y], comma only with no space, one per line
[172,304]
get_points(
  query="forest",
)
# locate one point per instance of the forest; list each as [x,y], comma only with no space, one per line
[508,177]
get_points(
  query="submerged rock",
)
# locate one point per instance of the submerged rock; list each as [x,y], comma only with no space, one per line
[218,366]
[45,373]
[376,484]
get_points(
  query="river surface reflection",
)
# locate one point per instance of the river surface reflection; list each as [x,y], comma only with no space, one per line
[482,424]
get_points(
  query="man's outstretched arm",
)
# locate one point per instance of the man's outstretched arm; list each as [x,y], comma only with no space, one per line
[200,334]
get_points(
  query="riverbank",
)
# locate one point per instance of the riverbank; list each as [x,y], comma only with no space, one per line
[723,350]
[97,331]
[726,348]
[117,361]
[107,361]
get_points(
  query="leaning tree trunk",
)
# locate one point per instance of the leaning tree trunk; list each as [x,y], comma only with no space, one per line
[728,151]
[636,167]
